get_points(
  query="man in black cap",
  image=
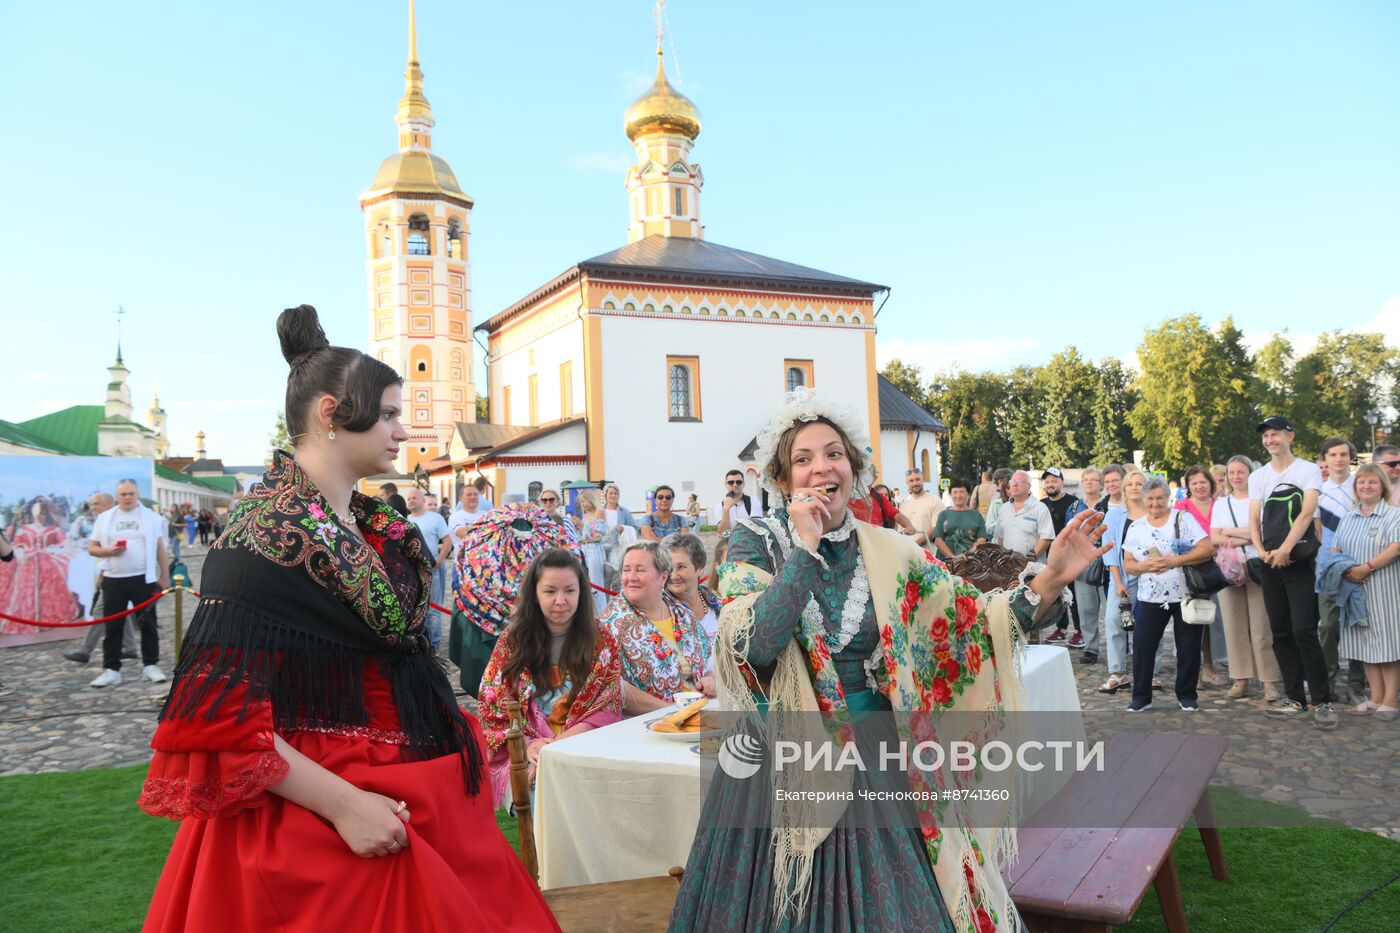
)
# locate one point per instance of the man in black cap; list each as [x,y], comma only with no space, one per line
[1058,502]
[1289,598]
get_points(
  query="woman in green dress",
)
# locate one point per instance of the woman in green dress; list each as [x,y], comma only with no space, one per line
[827,615]
[960,528]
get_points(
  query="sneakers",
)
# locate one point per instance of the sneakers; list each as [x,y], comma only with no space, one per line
[1324,717]
[1285,708]
[1056,637]
[108,678]
[153,674]
[1134,708]
[1188,707]
[1075,641]
[79,657]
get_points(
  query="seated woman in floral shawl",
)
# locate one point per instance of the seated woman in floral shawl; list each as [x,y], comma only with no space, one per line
[827,615]
[554,659]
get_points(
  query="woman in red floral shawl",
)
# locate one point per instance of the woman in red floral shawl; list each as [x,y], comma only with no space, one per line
[554,659]
[324,775]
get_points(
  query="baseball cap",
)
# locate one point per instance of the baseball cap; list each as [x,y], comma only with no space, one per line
[1274,423]
[1053,471]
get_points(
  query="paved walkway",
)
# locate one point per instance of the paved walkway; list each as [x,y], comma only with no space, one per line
[53,721]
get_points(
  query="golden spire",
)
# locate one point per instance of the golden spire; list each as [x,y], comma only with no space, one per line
[413,108]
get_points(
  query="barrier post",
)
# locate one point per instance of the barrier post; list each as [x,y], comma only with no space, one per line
[179,582]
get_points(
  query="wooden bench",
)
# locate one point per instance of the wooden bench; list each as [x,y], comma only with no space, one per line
[1088,855]
[636,906]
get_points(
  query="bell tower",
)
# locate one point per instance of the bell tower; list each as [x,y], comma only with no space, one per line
[417,222]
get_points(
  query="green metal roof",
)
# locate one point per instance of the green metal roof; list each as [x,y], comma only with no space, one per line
[73,428]
[216,483]
[14,434]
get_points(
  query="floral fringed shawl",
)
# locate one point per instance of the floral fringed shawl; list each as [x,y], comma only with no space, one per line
[944,647]
[601,693]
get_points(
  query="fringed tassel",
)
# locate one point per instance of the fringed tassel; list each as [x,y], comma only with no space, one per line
[430,716]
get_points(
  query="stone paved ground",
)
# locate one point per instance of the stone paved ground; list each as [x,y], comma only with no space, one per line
[51,720]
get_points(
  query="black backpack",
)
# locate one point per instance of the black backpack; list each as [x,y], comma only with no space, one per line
[1276,518]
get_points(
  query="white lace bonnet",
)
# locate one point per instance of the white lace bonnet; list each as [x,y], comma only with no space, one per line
[804,404]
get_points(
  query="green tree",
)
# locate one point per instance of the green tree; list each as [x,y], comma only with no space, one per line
[1021,415]
[279,439]
[1068,386]
[1114,397]
[483,409]
[969,404]
[1189,392]
[907,378]
[1334,385]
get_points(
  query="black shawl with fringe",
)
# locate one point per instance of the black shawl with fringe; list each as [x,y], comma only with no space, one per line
[294,608]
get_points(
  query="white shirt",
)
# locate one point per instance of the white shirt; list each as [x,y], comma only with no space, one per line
[462,517]
[738,513]
[1020,530]
[1233,512]
[1301,473]
[1170,585]
[1337,498]
[142,529]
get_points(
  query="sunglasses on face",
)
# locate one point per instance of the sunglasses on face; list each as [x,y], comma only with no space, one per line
[548,500]
[1390,464]
[733,482]
[664,498]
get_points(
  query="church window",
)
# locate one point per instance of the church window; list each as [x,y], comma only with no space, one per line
[797,374]
[773,315]
[741,313]
[855,319]
[419,360]
[649,308]
[629,307]
[807,316]
[609,306]
[683,387]
[680,202]
[422,366]
[454,239]
[826,319]
[667,309]
[840,318]
[790,316]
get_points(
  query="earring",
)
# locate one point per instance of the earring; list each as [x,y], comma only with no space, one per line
[331,435]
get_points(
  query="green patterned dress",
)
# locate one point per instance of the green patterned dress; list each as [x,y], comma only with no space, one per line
[862,878]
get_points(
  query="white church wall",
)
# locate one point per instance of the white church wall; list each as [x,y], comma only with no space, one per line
[550,352]
[740,382]
[894,452]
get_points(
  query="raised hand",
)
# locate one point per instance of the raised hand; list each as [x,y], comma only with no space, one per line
[1076,547]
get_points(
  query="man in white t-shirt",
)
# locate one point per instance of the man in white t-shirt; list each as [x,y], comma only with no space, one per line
[1289,596]
[469,512]
[1024,524]
[132,539]
[1336,499]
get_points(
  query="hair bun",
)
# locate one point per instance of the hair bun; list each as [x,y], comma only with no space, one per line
[299,330]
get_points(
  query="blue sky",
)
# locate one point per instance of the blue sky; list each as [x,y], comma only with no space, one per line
[1024,175]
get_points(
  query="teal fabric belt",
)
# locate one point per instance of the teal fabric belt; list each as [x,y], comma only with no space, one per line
[861,701]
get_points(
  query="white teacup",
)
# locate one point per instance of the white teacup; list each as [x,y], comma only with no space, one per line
[686,697]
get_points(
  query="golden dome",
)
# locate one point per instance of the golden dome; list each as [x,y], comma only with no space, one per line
[417,171]
[662,108]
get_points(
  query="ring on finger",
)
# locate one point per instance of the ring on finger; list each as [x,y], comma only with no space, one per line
[393,844]
[403,805]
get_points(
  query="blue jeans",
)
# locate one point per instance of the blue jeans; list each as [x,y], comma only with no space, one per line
[432,622]
[1118,639]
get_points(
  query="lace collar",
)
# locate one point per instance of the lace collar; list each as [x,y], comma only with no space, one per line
[840,533]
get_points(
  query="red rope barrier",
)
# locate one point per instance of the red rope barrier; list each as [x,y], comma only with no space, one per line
[85,622]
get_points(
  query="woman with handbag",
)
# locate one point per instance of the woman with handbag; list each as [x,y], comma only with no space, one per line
[1248,638]
[1122,595]
[1156,549]
[1199,501]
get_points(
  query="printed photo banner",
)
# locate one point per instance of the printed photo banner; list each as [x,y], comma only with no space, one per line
[44,513]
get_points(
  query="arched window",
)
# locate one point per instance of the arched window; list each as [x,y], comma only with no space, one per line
[454,239]
[418,235]
[796,378]
[680,391]
[420,360]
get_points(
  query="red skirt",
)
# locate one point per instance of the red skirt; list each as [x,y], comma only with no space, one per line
[265,863]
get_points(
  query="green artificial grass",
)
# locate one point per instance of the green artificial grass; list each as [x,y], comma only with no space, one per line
[79,856]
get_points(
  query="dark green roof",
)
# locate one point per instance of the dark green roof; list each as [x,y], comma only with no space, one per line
[73,428]
[14,434]
[226,484]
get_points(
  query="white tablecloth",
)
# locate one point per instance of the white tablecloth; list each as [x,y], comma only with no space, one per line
[618,803]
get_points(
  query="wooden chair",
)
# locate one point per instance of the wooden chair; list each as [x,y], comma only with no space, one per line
[634,906]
